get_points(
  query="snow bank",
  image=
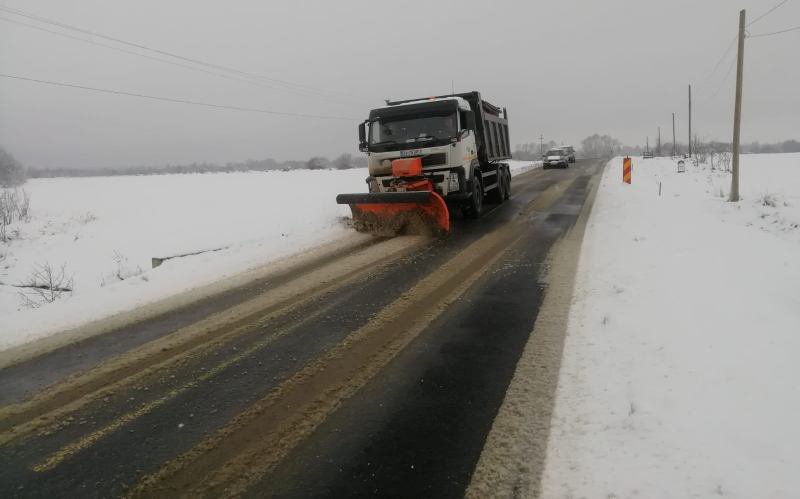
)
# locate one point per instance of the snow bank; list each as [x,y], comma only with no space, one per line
[108,228]
[680,372]
[518,167]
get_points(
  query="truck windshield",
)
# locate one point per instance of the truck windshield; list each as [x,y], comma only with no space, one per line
[412,130]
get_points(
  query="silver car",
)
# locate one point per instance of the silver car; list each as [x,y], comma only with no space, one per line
[570,152]
[556,157]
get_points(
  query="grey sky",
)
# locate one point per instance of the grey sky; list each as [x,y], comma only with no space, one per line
[563,68]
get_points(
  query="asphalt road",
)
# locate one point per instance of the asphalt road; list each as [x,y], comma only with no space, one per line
[372,371]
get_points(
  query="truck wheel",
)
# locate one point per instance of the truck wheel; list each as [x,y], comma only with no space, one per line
[474,208]
[507,190]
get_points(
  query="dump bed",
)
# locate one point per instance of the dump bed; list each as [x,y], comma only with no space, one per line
[492,129]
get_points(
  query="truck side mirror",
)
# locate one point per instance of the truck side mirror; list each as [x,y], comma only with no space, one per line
[362,137]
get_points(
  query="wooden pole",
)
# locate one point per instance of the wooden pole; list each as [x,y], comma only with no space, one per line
[690,121]
[737,113]
[658,149]
[673,134]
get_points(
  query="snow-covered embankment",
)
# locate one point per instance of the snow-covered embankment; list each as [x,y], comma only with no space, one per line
[680,372]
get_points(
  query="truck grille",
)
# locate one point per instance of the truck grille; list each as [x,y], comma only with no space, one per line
[436,159]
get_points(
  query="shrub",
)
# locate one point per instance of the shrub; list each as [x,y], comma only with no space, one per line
[45,285]
[14,205]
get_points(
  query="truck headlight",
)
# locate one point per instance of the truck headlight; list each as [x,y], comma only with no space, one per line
[453,182]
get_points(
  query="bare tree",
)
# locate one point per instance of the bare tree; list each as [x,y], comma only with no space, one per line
[317,163]
[533,150]
[725,160]
[6,215]
[14,205]
[344,161]
[12,172]
[45,285]
[600,146]
[24,206]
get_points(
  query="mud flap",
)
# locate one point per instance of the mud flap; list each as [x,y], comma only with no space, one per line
[392,213]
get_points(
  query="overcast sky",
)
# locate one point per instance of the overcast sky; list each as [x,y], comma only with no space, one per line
[563,68]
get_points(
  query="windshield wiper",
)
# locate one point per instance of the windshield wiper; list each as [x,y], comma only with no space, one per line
[383,142]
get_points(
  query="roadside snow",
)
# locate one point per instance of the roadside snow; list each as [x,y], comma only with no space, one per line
[105,230]
[680,375]
[518,167]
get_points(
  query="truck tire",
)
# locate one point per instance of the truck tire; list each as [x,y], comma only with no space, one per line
[507,190]
[474,206]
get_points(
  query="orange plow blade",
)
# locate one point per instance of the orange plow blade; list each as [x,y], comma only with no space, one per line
[392,213]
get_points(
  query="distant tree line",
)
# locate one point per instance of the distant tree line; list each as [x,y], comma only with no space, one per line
[600,146]
[532,150]
[699,146]
[13,173]
[778,147]
[342,162]
[603,145]
[594,146]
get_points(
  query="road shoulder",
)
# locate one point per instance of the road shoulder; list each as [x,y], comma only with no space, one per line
[513,457]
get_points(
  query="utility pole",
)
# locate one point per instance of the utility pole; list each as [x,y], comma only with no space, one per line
[658,148]
[690,121]
[673,134]
[541,145]
[737,113]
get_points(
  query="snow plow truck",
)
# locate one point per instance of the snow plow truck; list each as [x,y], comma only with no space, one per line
[428,156]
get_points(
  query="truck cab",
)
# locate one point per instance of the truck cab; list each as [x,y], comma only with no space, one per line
[460,139]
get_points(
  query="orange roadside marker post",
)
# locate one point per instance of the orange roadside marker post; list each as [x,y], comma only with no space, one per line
[626,170]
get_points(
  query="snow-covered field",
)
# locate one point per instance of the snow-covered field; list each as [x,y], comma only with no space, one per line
[680,375]
[104,231]
[106,228]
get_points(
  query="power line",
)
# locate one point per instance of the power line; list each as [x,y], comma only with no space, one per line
[179,101]
[724,55]
[144,47]
[721,85]
[286,85]
[765,14]
[774,33]
[732,43]
[138,54]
